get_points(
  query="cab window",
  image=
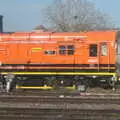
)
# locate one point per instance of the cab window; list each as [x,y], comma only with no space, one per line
[70,49]
[49,52]
[66,50]
[93,50]
[62,50]
[103,49]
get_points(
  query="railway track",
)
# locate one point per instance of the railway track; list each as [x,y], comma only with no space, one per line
[58,93]
[57,114]
[16,107]
[71,100]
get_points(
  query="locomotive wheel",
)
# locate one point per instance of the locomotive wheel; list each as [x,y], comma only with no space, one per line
[13,85]
[51,81]
[105,85]
[117,85]
[81,84]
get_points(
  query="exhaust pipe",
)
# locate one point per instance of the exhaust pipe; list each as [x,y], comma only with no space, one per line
[1,24]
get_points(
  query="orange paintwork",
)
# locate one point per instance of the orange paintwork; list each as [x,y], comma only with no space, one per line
[28,48]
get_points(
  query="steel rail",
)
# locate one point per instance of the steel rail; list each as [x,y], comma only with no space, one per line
[57,114]
[58,100]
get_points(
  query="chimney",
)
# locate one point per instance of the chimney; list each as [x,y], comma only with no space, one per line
[1,23]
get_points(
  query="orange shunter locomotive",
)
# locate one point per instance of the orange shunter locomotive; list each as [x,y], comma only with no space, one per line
[50,59]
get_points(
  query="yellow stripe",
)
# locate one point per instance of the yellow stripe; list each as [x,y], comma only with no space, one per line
[60,73]
[43,87]
[33,87]
[71,87]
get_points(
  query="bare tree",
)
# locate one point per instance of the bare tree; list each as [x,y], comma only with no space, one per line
[76,15]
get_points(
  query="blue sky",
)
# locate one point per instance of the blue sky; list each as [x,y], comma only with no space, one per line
[23,15]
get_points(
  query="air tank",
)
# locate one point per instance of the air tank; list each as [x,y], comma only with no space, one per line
[1,23]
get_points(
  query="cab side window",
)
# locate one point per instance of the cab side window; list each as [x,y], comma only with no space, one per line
[66,49]
[103,49]
[49,52]
[93,50]
[70,49]
[62,50]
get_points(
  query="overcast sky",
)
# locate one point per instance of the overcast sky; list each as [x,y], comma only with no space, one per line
[24,15]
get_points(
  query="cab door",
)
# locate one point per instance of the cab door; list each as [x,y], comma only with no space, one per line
[93,57]
[104,55]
